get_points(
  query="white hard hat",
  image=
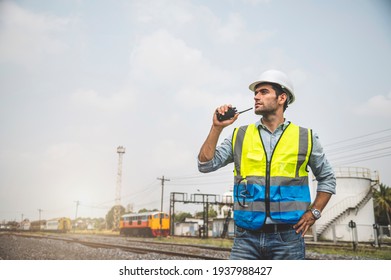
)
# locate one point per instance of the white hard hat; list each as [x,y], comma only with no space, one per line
[276,77]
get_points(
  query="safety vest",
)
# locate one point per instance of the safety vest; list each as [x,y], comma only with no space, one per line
[277,188]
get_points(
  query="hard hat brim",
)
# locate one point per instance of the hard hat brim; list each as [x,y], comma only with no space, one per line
[291,95]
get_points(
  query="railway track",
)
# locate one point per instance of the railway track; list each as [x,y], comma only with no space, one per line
[179,251]
[117,247]
[346,246]
[146,250]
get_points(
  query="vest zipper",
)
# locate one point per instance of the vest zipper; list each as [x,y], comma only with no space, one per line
[267,191]
[267,179]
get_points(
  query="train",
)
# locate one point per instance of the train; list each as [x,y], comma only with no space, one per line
[148,224]
[62,224]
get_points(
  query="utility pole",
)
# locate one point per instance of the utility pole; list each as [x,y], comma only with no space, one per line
[77,206]
[39,210]
[161,201]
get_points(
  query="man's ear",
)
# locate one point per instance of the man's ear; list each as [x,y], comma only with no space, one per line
[283,97]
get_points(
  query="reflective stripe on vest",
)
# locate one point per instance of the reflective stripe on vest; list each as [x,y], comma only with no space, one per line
[279,187]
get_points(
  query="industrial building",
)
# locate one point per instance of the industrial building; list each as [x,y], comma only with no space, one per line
[349,215]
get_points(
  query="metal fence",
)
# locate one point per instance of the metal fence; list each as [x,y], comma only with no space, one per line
[356,233]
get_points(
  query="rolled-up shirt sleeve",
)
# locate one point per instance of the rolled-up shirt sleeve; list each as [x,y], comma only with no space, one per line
[222,157]
[321,168]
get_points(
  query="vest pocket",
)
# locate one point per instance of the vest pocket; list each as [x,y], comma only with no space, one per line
[255,155]
[285,169]
[290,205]
[244,198]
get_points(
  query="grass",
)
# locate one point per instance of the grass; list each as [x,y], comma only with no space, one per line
[383,253]
[360,252]
[364,252]
[216,242]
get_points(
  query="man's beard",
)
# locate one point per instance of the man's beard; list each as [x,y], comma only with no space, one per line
[264,111]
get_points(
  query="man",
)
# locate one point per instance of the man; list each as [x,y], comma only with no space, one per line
[272,204]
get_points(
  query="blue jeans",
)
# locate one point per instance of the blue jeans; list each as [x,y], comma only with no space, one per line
[281,245]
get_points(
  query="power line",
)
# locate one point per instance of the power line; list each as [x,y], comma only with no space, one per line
[361,145]
[358,137]
[360,148]
[223,181]
[365,152]
[363,159]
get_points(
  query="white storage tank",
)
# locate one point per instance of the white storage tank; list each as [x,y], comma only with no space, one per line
[228,200]
[349,215]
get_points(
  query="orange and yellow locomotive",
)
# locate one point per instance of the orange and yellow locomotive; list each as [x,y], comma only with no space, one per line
[149,224]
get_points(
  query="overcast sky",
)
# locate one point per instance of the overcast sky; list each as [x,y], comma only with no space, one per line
[78,78]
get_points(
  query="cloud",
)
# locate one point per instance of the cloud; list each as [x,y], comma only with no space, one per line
[255,2]
[193,97]
[63,150]
[26,36]
[120,101]
[232,30]
[62,160]
[163,59]
[376,106]
[162,12]
[165,149]
[299,76]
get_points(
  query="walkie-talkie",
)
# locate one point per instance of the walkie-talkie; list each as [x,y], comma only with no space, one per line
[230,113]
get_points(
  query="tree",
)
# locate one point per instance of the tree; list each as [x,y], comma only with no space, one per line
[181,217]
[144,210]
[110,216]
[382,200]
[211,213]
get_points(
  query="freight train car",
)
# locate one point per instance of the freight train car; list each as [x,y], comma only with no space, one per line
[37,225]
[53,225]
[149,224]
[58,225]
